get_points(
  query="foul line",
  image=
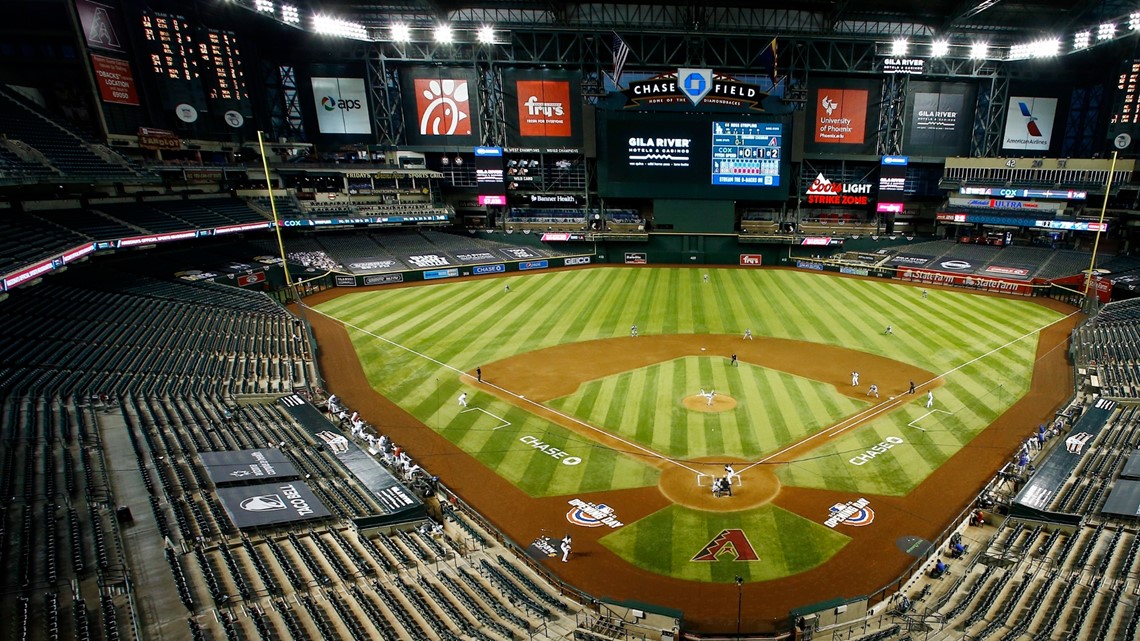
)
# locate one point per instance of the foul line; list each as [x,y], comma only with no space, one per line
[520,397]
[855,420]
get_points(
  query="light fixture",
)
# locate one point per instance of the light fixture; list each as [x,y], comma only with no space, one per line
[1106,31]
[899,47]
[289,14]
[1046,48]
[487,34]
[978,50]
[337,27]
[442,34]
[1081,40]
[263,6]
[401,32]
[1020,52]
[939,48]
[1134,21]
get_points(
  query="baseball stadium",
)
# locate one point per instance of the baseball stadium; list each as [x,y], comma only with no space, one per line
[508,319]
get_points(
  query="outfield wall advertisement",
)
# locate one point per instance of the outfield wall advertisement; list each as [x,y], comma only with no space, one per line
[939,118]
[843,114]
[543,109]
[930,277]
[440,107]
[341,106]
[1029,123]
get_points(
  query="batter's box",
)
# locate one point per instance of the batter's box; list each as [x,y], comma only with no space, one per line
[706,480]
[502,421]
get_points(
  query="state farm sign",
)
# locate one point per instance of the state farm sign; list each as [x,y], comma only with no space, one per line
[824,192]
[751,260]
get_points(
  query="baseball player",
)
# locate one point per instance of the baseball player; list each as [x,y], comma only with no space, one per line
[706,278]
[735,363]
[479,374]
[565,548]
[712,393]
[506,289]
[729,473]
[888,330]
[748,334]
[854,379]
[911,391]
[463,400]
[633,330]
[925,294]
[873,390]
[930,399]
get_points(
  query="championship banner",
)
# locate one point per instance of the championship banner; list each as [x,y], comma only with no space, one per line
[543,109]
[939,118]
[439,106]
[101,25]
[838,113]
[341,105]
[1029,123]
[116,84]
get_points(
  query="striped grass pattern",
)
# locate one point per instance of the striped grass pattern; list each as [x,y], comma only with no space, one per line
[645,405]
[453,327]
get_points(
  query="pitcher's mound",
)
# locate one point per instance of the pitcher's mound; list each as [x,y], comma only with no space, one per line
[720,403]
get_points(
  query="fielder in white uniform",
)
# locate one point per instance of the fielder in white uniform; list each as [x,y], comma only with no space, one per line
[854,379]
[463,399]
[929,399]
[565,548]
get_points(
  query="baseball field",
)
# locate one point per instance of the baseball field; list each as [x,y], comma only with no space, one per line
[579,427]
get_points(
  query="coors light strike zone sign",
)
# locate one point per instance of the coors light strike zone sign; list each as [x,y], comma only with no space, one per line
[825,192]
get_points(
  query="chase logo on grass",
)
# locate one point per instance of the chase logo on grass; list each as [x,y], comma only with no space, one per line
[592,515]
[854,513]
[728,542]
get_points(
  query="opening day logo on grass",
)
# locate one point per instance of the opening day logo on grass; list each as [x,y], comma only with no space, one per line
[855,513]
[728,542]
[590,515]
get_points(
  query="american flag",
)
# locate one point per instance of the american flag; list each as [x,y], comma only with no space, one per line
[621,53]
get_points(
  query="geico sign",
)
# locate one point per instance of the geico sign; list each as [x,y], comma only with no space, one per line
[332,104]
[577,260]
[875,450]
[751,259]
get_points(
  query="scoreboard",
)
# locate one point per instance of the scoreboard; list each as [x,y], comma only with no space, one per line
[746,153]
[194,65]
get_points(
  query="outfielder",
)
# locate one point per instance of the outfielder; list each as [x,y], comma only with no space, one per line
[463,399]
[929,399]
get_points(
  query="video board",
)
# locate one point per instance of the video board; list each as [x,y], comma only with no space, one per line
[706,156]
[489,176]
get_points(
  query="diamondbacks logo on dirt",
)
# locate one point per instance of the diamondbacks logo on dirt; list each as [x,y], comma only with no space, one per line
[854,513]
[732,542]
[592,515]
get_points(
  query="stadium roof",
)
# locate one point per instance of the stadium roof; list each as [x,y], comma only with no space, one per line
[1003,19]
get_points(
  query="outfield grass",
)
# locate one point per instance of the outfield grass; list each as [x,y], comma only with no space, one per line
[455,326]
[645,405]
[666,542]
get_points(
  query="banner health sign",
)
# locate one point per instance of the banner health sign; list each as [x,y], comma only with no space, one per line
[939,118]
[838,112]
[1029,123]
[543,109]
[342,105]
[439,106]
